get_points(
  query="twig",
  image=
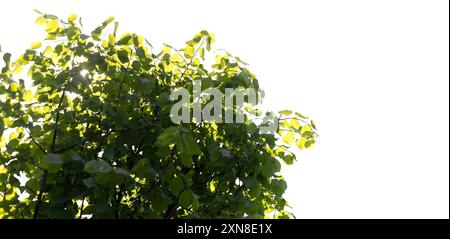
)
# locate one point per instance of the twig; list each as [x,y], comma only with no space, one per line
[82,206]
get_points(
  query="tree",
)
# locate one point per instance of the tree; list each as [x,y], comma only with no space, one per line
[89,132]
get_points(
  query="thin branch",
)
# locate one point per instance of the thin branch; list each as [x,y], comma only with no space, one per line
[35,142]
[39,199]
[191,60]
[52,148]
[66,148]
[292,118]
[82,206]
[31,190]
[171,210]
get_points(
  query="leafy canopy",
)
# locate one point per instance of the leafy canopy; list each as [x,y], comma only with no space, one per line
[89,133]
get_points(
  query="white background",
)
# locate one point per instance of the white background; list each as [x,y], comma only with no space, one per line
[373,74]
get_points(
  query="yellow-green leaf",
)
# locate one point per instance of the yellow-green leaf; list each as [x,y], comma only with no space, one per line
[301,143]
[13,136]
[313,124]
[28,96]
[41,20]
[13,87]
[111,39]
[212,186]
[201,51]
[48,51]
[72,18]
[300,115]
[52,26]
[285,112]
[36,45]
[176,58]
[189,51]
[18,70]
[3,169]
[288,138]
[305,128]
[294,124]
[195,62]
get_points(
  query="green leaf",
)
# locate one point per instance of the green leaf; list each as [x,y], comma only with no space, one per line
[33,184]
[187,147]
[309,143]
[52,162]
[278,186]
[97,166]
[186,160]
[123,56]
[142,169]
[110,178]
[145,85]
[75,156]
[267,168]
[195,203]
[167,137]
[89,182]
[126,39]
[176,185]
[186,198]
[188,144]
[288,159]
[7,58]
[122,172]
[300,115]
[163,99]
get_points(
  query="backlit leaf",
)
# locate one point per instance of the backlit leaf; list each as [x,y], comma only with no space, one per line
[36,45]
[72,18]
[51,26]
[288,138]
